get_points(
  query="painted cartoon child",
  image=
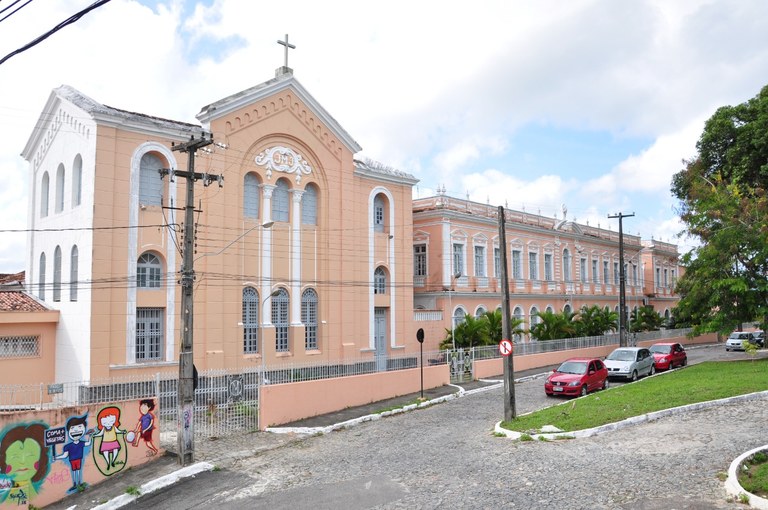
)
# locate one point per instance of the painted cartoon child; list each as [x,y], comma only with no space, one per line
[74,450]
[24,461]
[145,425]
[109,428]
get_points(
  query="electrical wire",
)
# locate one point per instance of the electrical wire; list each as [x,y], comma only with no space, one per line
[15,11]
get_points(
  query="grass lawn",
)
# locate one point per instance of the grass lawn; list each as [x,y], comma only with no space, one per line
[710,380]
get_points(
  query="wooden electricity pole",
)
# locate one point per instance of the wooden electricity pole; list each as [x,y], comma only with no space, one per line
[510,411]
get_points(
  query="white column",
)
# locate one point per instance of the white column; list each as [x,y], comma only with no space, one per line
[266,257]
[295,256]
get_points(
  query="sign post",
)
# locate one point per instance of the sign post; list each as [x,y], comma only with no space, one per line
[420,338]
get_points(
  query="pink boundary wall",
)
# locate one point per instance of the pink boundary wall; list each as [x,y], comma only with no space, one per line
[494,367]
[58,479]
[284,403]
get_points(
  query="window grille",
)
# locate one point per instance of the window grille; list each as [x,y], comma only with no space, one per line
[19,346]
[150,324]
[250,320]
[309,318]
[280,320]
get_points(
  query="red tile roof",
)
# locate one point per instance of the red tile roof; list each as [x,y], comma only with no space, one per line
[12,277]
[19,301]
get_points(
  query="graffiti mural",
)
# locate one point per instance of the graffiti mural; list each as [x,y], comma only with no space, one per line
[46,455]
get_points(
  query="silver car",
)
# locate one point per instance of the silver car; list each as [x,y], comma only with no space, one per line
[737,339]
[630,363]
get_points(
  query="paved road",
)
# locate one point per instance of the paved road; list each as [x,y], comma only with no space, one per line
[445,456]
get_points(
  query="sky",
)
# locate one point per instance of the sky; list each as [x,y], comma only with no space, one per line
[588,104]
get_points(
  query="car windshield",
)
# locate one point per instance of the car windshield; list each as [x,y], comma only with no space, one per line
[573,367]
[661,349]
[620,355]
[738,336]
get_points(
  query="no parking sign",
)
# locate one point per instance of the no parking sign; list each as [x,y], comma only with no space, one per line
[505,347]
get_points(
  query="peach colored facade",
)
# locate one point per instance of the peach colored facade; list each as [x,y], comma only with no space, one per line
[286,250]
[26,369]
[552,264]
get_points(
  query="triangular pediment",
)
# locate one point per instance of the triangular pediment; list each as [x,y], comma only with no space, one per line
[283,91]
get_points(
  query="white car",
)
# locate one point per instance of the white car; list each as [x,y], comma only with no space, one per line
[630,363]
[736,340]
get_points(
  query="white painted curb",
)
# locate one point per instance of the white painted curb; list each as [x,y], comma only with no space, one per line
[734,488]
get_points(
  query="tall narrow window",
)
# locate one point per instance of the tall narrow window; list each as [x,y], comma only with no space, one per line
[280,202]
[567,265]
[606,276]
[517,313]
[280,319]
[534,318]
[41,278]
[250,196]
[480,261]
[150,181]
[459,316]
[73,273]
[309,318]
[57,274]
[420,260]
[584,272]
[548,273]
[378,213]
[517,264]
[250,318]
[616,272]
[458,259]
[77,181]
[595,274]
[150,324]
[59,189]
[657,283]
[497,262]
[666,277]
[148,271]
[45,185]
[533,266]
[309,205]
[379,281]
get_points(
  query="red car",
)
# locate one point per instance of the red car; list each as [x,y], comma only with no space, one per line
[669,355]
[577,376]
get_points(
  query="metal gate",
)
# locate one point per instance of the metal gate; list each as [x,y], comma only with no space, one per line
[460,365]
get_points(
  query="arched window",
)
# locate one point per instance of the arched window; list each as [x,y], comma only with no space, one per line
[549,309]
[566,265]
[148,271]
[77,181]
[534,318]
[280,202]
[459,316]
[251,196]
[379,281]
[378,213]
[280,304]
[73,273]
[59,189]
[517,313]
[57,274]
[309,318]
[44,190]
[250,320]
[309,205]
[479,312]
[150,181]
[41,278]
[567,309]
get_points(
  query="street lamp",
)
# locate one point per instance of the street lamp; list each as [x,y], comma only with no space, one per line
[454,277]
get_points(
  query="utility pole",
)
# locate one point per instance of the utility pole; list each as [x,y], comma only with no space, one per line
[510,413]
[622,281]
[186,386]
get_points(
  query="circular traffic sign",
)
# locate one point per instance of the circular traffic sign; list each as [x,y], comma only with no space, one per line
[505,347]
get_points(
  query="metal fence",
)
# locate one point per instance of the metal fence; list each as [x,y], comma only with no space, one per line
[226,401]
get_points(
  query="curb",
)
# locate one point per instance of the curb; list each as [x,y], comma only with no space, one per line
[643,418]
[156,484]
[734,488]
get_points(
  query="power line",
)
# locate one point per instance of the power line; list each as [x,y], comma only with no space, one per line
[55,29]
[15,11]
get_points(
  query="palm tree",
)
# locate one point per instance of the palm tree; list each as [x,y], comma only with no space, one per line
[646,318]
[469,333]
[553,326]
[495,324]
[594,320]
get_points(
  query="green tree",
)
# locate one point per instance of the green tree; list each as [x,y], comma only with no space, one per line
[723,205]
[552,326]
[645,318]
[469,333]
[595,320]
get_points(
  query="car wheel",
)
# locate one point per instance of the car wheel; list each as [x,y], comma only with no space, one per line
[584,390]
[653,370]
[605,384]
[727,349]
[685,361]
[634,375]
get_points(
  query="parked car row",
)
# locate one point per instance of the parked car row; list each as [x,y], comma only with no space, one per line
[736,340]
[579,376]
